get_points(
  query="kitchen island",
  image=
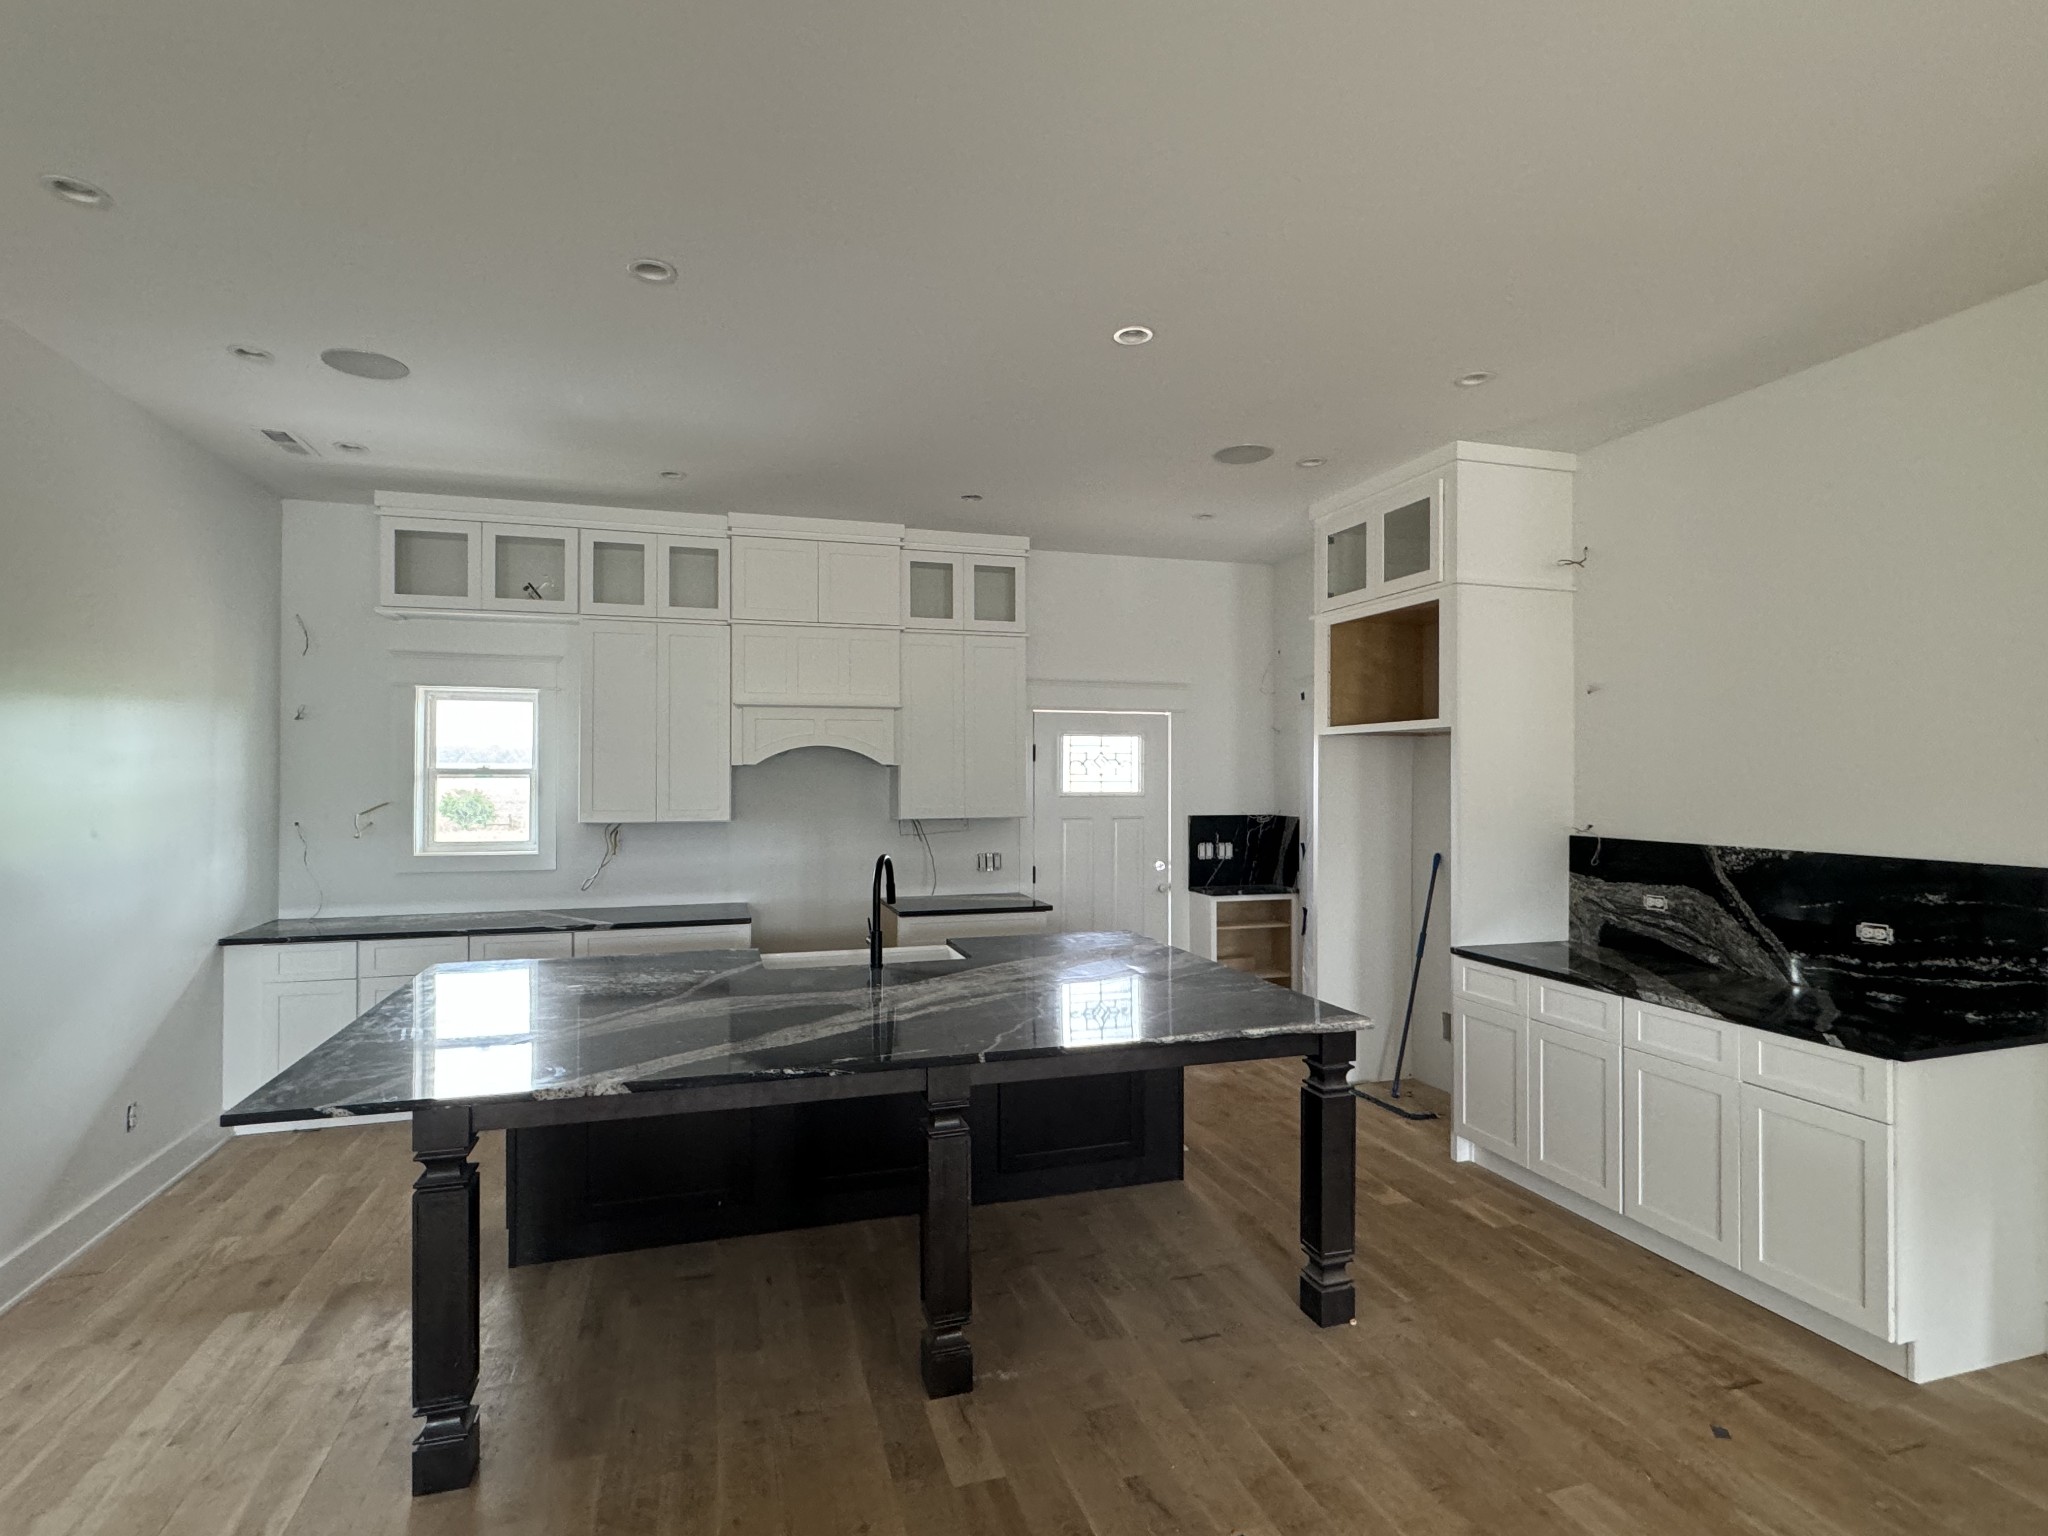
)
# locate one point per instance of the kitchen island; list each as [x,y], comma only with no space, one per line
[521,1044]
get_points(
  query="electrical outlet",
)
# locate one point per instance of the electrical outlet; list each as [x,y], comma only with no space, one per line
[1874,933]
[129,1120]
[1447,1026]
[1657,903]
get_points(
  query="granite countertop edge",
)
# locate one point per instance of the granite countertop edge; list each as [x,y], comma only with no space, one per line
[1671,994]
[430,925]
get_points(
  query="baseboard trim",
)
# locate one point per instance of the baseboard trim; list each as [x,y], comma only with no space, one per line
[65,1239]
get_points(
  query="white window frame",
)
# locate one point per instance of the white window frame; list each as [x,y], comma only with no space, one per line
[423,844]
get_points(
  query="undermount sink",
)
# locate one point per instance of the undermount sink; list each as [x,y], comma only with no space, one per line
[902,954]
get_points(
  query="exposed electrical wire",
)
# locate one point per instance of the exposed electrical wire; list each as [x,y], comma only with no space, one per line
[611,851]
[305,637]
[930,857]
[363,826]
[306,863]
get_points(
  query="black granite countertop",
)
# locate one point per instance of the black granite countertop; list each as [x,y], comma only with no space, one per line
[1242,890]
[960,906]
[549,1029]
[442,925]
[1900,1020]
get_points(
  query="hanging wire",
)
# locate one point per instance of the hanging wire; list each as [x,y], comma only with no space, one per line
[611,851]
[306,863]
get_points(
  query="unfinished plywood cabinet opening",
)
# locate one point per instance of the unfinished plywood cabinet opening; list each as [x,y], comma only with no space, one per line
[1257,937]
[1383,668]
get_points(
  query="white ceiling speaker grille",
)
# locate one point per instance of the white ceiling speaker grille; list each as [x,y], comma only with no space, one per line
[289,442]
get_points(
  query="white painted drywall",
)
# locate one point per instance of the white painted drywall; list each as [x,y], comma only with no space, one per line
[1814,614]
[1294,671]
[1183,635]
[138,679]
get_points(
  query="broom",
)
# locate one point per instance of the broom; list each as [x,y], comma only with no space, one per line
[1436,862]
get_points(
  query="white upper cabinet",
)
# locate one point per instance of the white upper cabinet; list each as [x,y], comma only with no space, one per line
[429,563]
[657,722]
[934,589]
[860,584]
[1473,512]
[694,582]
[775,580]
[694,670]
[995,592]
[964,734]
[529,567]
[619,572]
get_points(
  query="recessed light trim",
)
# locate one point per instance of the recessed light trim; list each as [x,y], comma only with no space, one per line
[77,191]
[352,447]
[1131,335]
[364,365]
[1310,463]
[1243,453]
[672,474]
[970,496]
[251,354]
[650,269]
[1205,517]
[1472,380]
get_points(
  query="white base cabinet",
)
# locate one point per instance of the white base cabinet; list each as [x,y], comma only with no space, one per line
[1898,1208]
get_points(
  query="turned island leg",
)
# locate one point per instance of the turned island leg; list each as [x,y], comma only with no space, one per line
[1329,1149]
[445,1311]
[944,1357]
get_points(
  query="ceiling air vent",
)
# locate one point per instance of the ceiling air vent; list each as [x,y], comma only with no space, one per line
[289,442]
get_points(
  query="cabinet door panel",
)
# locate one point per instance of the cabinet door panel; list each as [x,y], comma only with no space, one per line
[860,584]
[521,946]
[1682,1166]
[1816,1205]
[931,742]
[995,592]
[693,578]
[873,665]
[306,1013]
[429,563]
[696,692]
[530,569]
[1595,1013]
[619,573]
[1489,1101]
[934,595]
[996,778]
[775,580]
[1575,1112]
[621,722]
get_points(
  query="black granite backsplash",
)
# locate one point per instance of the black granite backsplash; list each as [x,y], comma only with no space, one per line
[1890,932]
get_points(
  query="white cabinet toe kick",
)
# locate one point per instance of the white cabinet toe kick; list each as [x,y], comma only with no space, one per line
[1899,1209]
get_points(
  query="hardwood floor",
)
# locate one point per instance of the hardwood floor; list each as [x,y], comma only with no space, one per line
[234,1360]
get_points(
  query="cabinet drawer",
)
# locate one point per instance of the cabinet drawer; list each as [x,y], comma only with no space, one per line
[664,941]
[1482,983]
[372,990]
[1818,1074]
[1592,1013]
[303,962]
[521,946]
[407,957]
[1678,1036]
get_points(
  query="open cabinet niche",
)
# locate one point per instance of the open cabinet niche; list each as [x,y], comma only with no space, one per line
[1382,806]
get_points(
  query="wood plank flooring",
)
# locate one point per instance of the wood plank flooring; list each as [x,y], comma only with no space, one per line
[234,1360]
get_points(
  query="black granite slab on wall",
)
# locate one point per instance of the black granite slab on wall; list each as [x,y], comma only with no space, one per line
[1889,931]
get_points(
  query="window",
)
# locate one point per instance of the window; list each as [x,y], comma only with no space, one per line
[477,781]
[1102,765]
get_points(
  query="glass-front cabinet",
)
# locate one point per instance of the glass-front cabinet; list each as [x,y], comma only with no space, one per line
[694,583]
[995,592]
[529,567]
[1389,543]
[429,563]
[934,589]
[619,572]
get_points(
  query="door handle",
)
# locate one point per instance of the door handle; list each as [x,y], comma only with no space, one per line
[1162,887]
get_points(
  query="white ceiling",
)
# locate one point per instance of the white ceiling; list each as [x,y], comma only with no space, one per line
[906,229]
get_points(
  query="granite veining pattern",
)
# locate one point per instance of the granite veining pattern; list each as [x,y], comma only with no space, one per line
[437,925]
[538,1029]
[1899,958]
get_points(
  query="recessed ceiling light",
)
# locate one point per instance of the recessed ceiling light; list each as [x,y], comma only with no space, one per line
[73,190]
[1205,517]
[971,496]
[1310,463]
[649,270]
[1132,335]
[1243,453]
[671,474]
[1472,380]
[251,354]
[352,447]
[364,365]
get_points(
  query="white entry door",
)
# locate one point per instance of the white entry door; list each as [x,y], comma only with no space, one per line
[1098,808]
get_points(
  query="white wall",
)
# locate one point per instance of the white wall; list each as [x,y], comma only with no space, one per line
[1115,632]
[1814,616]
[1294,669]
[138,643]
